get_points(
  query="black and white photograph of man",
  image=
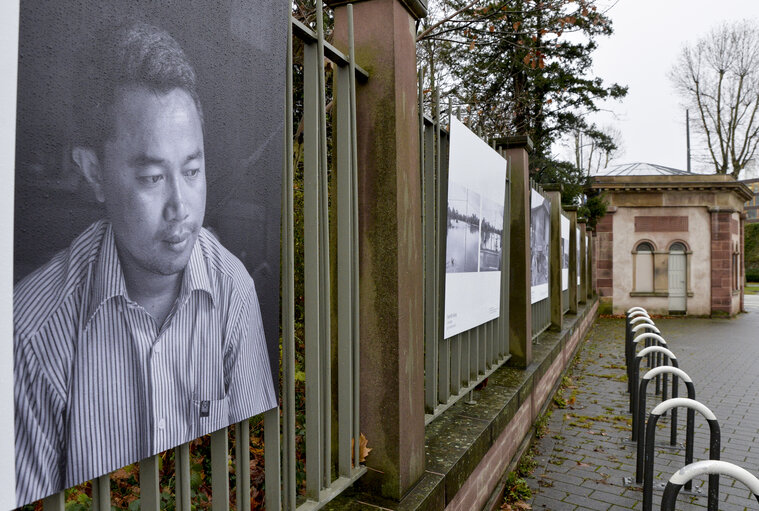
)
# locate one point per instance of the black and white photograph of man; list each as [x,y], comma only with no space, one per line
[145,331]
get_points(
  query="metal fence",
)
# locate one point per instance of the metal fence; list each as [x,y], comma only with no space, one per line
[541,310]
[329,468]
[453,366]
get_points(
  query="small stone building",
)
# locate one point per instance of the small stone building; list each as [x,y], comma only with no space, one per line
[671,241]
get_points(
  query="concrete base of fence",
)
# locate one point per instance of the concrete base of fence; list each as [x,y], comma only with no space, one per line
[470,447]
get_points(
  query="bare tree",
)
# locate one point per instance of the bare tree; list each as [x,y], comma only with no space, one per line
[595,147]
[719,79]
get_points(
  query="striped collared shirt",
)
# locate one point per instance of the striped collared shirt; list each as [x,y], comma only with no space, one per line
[98,385]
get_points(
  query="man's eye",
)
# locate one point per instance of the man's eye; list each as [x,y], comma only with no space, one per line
[151,180]
[192,172]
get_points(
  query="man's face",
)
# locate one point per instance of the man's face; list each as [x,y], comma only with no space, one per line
[153,180]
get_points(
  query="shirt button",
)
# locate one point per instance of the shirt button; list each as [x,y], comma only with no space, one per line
[157,348]
[161,423]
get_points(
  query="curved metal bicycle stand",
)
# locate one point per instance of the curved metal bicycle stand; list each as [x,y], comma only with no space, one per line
[688,472]
[671,360]
[714,448]
[630,349]
[642,384]
[640,417]
[633,309]
[629,346]
[647,327]
[630,320]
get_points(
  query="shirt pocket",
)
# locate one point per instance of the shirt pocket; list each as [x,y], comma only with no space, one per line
[217,415]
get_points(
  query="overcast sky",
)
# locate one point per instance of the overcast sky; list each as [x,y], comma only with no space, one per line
[648,36]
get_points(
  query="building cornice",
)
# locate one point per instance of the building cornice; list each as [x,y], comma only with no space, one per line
[662,184]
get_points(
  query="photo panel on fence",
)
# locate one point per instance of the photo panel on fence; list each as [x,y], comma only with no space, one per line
[540,245]
[564,253]
[474,240]
[146,207]
[577,237]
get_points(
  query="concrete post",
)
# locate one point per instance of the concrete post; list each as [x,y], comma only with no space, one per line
[571,212]
[390,244]
[553,191]
[515,150]
[583,293]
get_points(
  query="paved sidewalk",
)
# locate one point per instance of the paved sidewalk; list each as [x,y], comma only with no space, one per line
[586,453]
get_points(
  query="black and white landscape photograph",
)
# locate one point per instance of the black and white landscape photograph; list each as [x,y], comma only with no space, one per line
[474,230]
[491,236]
[463,229]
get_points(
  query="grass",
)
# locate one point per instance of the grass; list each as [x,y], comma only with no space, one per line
[752,288]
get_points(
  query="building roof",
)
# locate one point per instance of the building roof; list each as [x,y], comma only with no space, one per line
[641,169]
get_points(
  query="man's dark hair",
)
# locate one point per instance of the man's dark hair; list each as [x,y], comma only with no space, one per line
[137,54]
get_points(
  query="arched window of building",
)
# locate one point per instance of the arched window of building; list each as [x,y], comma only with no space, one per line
[644,267]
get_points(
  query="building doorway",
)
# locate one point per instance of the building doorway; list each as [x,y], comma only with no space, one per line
[678,268]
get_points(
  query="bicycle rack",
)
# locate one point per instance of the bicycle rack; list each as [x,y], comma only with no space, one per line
[634,379]
[640,416]
[630,320]
[688,472]
[714,449]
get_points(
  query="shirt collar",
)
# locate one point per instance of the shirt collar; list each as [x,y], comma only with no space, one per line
[108,278]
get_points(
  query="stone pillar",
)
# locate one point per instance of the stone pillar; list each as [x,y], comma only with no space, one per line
[591,261]
[515,150]
[390,244]
[721,251]
[604,262]
[582,296]
[571,212]
[553,191]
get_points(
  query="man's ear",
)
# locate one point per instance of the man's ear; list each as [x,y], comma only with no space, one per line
[89,163]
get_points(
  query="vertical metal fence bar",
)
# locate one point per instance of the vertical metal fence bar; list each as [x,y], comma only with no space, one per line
[324,260]
[219,470]
[242,465]
[483,364]
[354,181]
[183,488]
[467,356]
[101,493]
[288,293]
[444,352]
[55,502]
[455,364]
[273,472]
[344,272]
[150,490]
[492,331]
[312,190]
[430,273]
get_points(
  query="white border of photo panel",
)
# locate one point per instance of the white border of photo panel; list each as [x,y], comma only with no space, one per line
[473,298]
[9,16]
[539,292]
[565,237]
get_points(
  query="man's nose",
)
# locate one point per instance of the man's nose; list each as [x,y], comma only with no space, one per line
[176,207]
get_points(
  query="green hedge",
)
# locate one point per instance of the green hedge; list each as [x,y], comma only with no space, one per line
[752,275]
